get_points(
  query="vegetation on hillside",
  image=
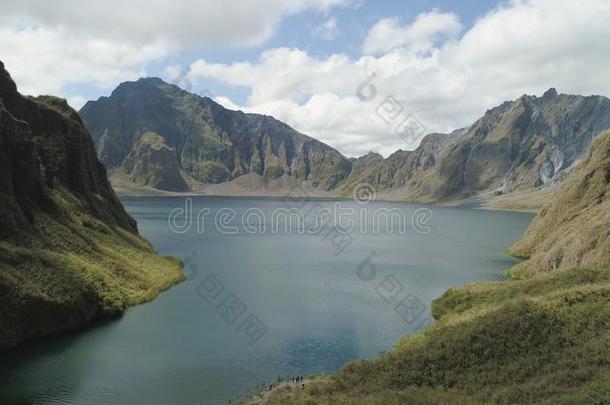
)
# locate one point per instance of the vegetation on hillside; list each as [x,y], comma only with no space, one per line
[66,272]
[69,253]
[521,341]
[542,336]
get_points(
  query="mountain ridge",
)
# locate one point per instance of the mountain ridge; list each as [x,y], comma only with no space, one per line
[518,147]
[213,144]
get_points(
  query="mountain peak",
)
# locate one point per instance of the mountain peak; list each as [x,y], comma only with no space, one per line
[156,81]
[210,143]
[550,93]
[143,81]
[7,85]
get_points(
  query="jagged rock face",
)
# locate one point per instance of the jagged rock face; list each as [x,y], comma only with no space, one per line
[519,145]
[432,148]
[212,144]
[573,230]
[372,169]
[152,163]
[530,143]
[45,146]
[533,142]
[401,170]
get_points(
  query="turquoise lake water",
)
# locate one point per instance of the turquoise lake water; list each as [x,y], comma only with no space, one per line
[265,298]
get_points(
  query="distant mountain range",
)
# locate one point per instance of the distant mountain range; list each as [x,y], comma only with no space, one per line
[153,135]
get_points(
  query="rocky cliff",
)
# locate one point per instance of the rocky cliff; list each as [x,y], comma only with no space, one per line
[69,252]
[403,170]
[522,146]
[574,230]
[212,144]
[153,163]
[529,143]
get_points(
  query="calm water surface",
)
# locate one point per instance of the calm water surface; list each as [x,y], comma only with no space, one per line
[262,304]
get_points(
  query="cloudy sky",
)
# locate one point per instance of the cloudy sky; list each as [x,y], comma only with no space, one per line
[348,72]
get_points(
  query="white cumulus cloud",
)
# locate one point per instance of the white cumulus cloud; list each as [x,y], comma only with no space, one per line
[420,36]
[328,30]
[48,45]
[432,69]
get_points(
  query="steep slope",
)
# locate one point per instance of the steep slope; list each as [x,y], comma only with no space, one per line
[212,144]
[376,171]
[153,163]
[574,230]
[521,145]
[518,148]
[541,337]
[69,252]
[402,170]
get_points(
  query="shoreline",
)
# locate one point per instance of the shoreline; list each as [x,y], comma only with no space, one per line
[526,202]
[262,396]
[258,396]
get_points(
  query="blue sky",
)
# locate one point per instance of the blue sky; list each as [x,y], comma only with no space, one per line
[297,31]
[439,65]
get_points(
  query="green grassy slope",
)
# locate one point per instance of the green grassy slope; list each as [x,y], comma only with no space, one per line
[542,336]
[539,340]
[69,253]
[71,271]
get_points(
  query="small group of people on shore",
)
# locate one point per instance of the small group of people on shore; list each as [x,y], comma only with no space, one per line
[293,380]
[266,388]
[296,380]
